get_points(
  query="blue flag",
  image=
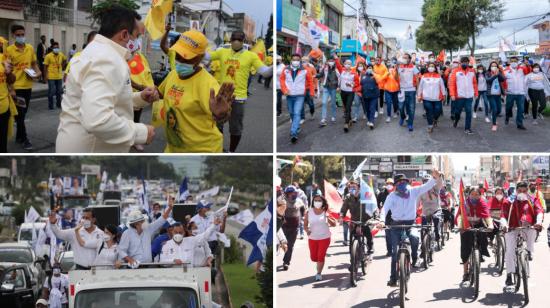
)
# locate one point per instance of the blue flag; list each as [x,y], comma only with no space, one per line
[259,233]
[184,191]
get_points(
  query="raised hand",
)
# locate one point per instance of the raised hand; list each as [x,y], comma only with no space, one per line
[220,105]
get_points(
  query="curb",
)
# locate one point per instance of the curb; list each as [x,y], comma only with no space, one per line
[222,280]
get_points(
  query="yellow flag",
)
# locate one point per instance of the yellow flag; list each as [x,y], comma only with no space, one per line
[259,49]
[155,19]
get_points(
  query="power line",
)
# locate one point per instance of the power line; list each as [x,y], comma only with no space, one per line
[521,29]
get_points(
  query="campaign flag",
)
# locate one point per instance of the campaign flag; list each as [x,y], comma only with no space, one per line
[244,218]
[103,184]
[144,201]
[219,213]
[156,17]
[259,233]
[342,186]
[368,198]
[462,208]
[32,215]
[119,180]
[485,185]
[208,193]
[334,200]
[259,49]
[506,185]
[358,171]
[442,57]
[183,192]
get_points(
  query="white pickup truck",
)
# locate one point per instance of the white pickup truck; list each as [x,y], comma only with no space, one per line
[153,285]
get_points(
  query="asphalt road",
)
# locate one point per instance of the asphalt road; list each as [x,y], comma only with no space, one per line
[390,137]
[257,137]
[439,286]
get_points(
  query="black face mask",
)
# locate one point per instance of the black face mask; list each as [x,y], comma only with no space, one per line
[532,189]
[464,66]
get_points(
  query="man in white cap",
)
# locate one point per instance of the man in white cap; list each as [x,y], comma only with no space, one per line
[41,303]
[135,243]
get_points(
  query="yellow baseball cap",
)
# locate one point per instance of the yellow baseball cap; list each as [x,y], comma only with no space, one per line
[191,44]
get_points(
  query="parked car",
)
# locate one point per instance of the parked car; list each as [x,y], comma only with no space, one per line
[7,206]
[25,237]
[23,253]
[18,289]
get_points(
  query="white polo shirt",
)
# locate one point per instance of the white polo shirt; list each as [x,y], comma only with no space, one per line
[185,251]
[83,255]
[203,223]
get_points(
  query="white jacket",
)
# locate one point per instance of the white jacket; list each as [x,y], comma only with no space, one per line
[185,250]
[98,104]
[431,87]
[515,79]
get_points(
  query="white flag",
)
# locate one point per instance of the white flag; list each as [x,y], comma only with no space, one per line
[32,215]
[342,186]
[244,218]
[358,171]
[208,193]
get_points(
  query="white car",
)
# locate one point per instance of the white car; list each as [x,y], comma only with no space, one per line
[7,206]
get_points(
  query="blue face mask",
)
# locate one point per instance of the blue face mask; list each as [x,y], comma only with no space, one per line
[20,39]
[56,50]
[474,201]
[353,191]
[184,69]
[402,187]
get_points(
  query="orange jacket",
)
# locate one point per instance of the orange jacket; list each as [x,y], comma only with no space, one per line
[313,72]
[391,83]
[380,72]
[459,82]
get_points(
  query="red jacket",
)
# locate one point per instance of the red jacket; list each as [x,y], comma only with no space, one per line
[522,211]
[494,204]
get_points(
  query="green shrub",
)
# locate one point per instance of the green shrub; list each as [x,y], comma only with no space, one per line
[18,212]
[265,279]
[233,254]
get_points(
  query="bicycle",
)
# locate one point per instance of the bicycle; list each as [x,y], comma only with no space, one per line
[474,261]
[446,228]
[522,263]
[358,256]
[403,261]
[499,248]
[427,235]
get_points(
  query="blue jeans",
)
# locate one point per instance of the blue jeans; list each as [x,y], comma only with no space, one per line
[391,100]
[309,101]
[414,238]
[369,104]
[326,94]
[433,111]
[388,241]
[409,106]
[295,106]
[520,101]
[357,105]
[466,104]
[482,94]
[494,100]
[55,87]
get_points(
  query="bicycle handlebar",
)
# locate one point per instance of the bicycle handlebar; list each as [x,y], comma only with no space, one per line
[368,222]
[477,230]
[402,226]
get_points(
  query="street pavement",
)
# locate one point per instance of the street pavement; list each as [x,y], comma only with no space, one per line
[257,135]
[390,137]
[439,286]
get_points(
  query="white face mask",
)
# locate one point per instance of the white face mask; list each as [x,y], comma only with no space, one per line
[480,71]
[536,70]
[494,69]
[514,65]
[178,238]
[295,64]
[86,223]
[360,68]
[431,69]
[209,214]
[499,197]
[389,187]
[317,204]
[369,70]
[347,66]
[195,231]
[522,196]
[106,237]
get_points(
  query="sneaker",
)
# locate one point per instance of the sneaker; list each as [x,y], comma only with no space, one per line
[410,128]
[430,129]
[346,128]
[401,121]
[354,120]
[364,117]
[509,281]
[535,122]
[27,145]
[388,119]
[370,125]
[506,121]
[318,277]
[521,127]
[494,128]
[294,139]
[395,115]
[333,120]
[323,123]
[487,120]
[465,277]
[376,114]
[285,267]
[392,283]
[469,132]
[435,123]
[302,121]
[541,116]
[474,115]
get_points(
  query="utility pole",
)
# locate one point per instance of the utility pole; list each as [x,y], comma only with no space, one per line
[219,39]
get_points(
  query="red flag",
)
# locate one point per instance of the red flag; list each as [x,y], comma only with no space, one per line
[333,199]
[485,185]
[462,208]
[441,56]
[506,185]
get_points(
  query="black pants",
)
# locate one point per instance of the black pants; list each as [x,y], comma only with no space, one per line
[137,115]
[279,101]
[366,232]
[80,267]
[21,134]
[467,244]
[381,98]
[290,229]
[267,82]
[347,100]
[538,99]
[4,119]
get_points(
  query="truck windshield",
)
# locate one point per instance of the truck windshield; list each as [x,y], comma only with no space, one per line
[16,255]
[70,203]
[26,235]
[153,297]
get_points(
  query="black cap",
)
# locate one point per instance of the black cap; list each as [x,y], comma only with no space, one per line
[522,184]
[400,177]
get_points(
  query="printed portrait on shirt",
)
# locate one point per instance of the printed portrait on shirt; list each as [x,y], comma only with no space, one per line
[231,72]
[173,133]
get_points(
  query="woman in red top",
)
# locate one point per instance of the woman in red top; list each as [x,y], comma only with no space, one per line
[477,213]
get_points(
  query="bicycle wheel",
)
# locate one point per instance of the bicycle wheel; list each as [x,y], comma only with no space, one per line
[402,279]
[425,249]
[525,276]
[500,253]
[475,268]
[363,259]
[430,250]
[442,237]
[354,263]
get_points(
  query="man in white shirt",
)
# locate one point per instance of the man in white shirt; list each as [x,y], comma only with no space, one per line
[402,204]
[84,255]
[135,243]
[56,288]
[98,105]
[181,249]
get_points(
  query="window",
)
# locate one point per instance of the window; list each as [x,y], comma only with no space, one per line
[63,43]
[15,277]
[333,19]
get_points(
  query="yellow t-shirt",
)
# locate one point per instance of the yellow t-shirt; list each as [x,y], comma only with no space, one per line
[20,61]
[4,103]
[216,71]
[76,55]
[188,122]
[55,65]
[172,59]
[235,68]
[140,72]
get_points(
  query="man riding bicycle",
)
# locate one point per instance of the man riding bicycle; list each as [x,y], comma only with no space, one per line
[430,205]
[446,202]
[402,204]
[523,212]
[352,203]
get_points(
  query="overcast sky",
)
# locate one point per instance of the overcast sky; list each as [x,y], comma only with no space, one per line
[255,9]
[461,160]
[411,9]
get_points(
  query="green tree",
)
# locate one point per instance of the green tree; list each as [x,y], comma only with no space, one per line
[269,35]
[102,5]
[243,172]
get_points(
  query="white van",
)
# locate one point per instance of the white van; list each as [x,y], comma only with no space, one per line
[150,286]
[25,236]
